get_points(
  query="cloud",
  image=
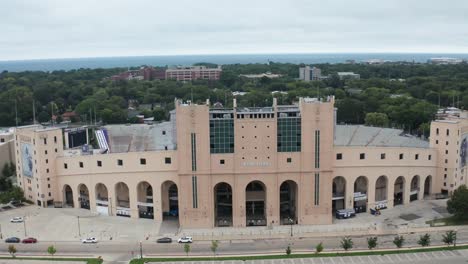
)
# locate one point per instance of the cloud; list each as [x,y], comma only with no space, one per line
[88,28]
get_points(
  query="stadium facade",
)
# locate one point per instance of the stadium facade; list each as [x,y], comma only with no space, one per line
[210,167]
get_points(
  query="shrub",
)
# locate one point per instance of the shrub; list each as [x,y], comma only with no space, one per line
[424,240]
[346,243]
[399,241]
[372,242]
[319,248]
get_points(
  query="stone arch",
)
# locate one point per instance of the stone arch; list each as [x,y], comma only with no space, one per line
[223,204]
[122,199]
[83,196]
[428,186]
[102,199]
[145,200]
[68,196]
[288,198]
[338,193]
[414,188]
[361,186]
[170,201]
[256,203]
[399,190]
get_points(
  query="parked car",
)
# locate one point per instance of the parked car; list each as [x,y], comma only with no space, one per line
[185,239]
[12,240]
[345,213]
[17,219]
[89,240]
[164,240]
[29,240]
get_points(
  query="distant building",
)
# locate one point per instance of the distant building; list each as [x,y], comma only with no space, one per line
[193,73]
[375,61]
[261,75]
[308,73]
[237,93]
[445,61]
[348,76]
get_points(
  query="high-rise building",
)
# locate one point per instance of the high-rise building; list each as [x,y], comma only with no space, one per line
[310,74]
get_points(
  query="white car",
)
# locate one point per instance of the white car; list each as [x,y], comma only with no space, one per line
[89,240]
[17,220]
[185,239]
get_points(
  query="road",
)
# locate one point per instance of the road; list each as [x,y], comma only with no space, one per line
[123,251]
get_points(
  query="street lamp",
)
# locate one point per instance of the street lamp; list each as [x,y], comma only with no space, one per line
[141,250]
[291,222]
[79,229]
[24,225]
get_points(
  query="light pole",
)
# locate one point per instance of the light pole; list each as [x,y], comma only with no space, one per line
[291,221]
[24,225]
[1,235]
[141,250]
[79,229]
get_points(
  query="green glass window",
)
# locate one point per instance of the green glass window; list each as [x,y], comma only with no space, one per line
[222,136]
[289,134]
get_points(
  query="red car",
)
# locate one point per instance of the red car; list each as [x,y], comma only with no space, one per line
[29,240]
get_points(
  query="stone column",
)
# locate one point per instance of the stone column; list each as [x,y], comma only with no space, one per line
[406,193]
[370,194]
[349,193]
[133,199]
[390,191]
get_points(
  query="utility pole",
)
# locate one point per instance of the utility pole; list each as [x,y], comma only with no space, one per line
[1,235]
[141,250]
[34,112]
[79,229]
[24,224]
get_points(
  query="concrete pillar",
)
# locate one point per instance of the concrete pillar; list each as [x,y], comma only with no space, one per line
[272,205]
[370,194]
[390,191]
[406,193]
[76,197]
[421,188]
[132,192]
[349,193]
[92,198]
[157,209]
[112,199]
[238,205]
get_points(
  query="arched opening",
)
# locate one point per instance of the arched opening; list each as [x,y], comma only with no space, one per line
[122,195]
[288,203]
[83,197]
[170,201]
[428,186]
[102,199]
[338,193]
[145,200]
[255,204]
[414,188]
[68,195]
[223,204]
[360,194]
[381,189]
[399,191]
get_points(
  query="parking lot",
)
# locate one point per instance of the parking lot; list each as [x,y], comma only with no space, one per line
[63,224]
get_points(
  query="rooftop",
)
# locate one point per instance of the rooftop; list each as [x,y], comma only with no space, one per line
[359,135]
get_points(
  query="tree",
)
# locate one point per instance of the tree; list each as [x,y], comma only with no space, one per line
[187,249]
[450,237]
[12,250]
[159,114]
[457,204]
[288,250]
[399,241]
[376,119]
[43,117]
[319,248]
[346,243]
[424,240]
[214,246]
[372,242]
[51,250]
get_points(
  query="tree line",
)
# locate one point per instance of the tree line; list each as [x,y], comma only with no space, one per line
[403,95]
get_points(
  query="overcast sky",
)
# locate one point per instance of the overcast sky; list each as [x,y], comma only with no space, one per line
[33,29]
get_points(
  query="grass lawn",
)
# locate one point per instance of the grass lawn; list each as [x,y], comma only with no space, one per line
[86,260]
[342,254]
[448,221]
